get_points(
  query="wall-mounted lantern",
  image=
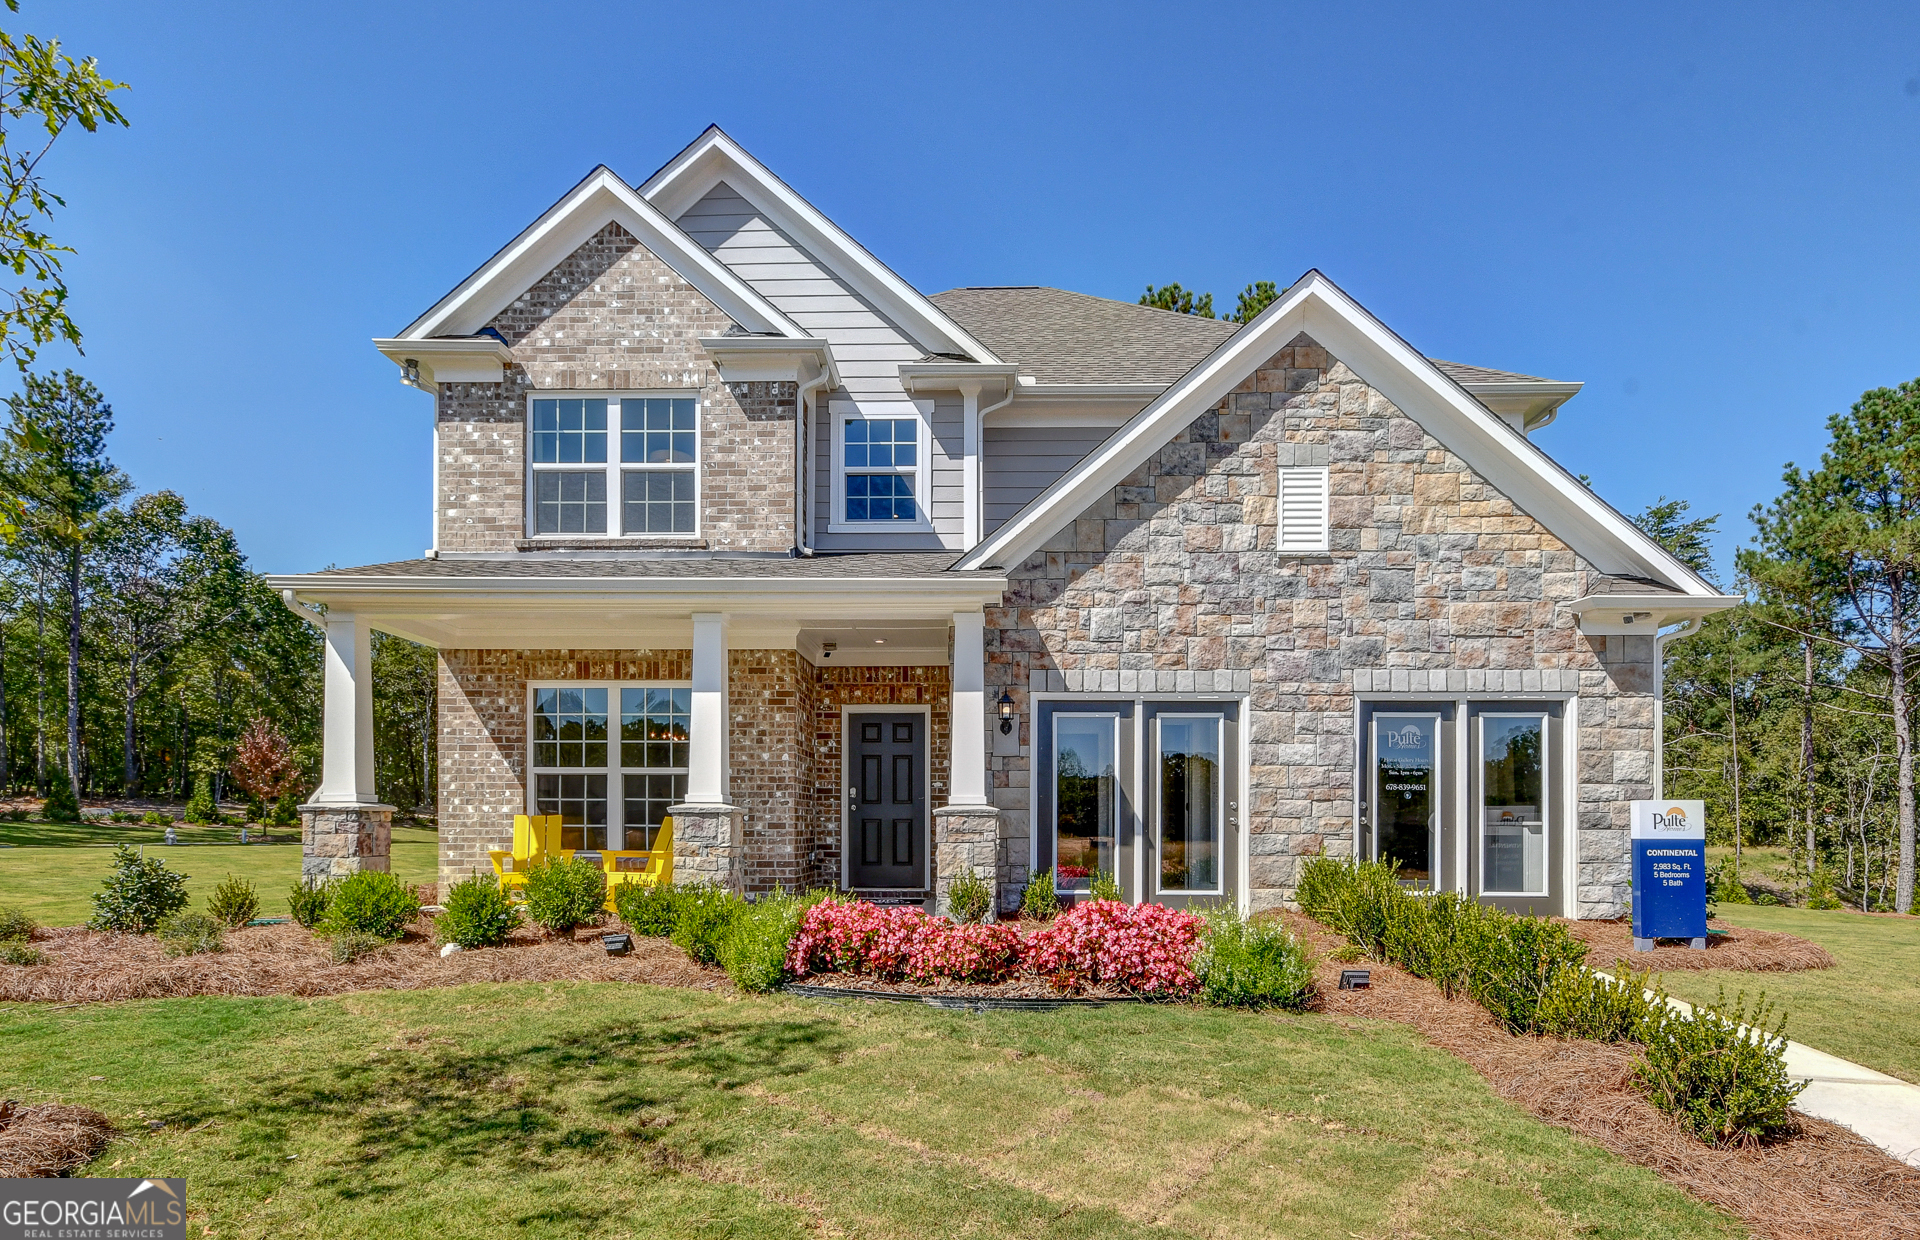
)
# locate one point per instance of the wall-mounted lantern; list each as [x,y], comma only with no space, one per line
[1006,713]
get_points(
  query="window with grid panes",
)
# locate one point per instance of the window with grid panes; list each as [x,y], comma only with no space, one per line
[611,791]
[882,467]
[651,477]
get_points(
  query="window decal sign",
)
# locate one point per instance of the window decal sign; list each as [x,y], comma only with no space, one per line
[1669,872]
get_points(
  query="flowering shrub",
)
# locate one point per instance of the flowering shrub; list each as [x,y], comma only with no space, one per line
[855,937]
[900,944]
[964,953]
[1143,948]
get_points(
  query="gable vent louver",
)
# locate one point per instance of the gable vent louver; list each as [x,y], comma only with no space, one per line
[1303,510]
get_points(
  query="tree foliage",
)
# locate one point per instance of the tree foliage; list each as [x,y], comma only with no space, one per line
[1178,300]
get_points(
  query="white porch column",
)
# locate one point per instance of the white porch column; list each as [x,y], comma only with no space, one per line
[344,828]
[970,464]
[707,725]
[967,782]
[346,770]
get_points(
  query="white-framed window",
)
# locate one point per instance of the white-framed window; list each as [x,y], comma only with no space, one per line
[610,759]
[606,466]
[1303,505]
[880,469]
[1512,815]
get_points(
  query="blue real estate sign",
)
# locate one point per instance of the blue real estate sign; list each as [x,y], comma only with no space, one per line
[1669,871]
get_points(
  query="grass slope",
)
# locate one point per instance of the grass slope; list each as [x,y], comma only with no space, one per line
[583,1110]
[1866,1008]
[55,886]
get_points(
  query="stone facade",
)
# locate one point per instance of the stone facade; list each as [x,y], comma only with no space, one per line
[965,841]
[784,752]
[338,840]
[1171,583]
[612,317]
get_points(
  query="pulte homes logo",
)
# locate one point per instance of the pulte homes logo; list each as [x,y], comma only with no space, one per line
[82,1209]
[1674,819]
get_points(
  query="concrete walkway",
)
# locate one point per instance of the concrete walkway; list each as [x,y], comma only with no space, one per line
[1883,1109]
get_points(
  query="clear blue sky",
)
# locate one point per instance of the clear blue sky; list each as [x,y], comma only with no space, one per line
[1710,215]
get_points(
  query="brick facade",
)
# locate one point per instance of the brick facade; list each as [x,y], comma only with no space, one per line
[613,317]
[1170,583]
[784,747]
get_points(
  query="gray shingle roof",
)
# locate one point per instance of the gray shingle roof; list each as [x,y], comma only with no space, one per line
[1459,372]
[1062,337]
[891,564]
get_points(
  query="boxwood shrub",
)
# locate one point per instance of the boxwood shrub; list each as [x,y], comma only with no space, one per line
[563,895]
[372,902]
[478,913]
[307,902]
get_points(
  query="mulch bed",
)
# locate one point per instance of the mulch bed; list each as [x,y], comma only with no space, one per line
[1023,987]
[88,967]
[1825,1182]
[1755,951]
[48,1140]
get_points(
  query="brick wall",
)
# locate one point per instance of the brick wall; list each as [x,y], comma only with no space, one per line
[613,317]
[1171,583]
[783,736]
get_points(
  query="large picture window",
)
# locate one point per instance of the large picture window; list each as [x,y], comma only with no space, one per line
[648,483]
[610,790]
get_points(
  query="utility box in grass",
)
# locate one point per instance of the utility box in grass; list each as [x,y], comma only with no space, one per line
[1669,872]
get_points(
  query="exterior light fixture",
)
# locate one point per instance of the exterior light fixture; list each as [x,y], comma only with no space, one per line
[410,371]
[1356,979]
[1006,713]
[617,944]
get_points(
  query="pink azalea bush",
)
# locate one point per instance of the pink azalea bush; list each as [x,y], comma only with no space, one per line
[1143,948]
[900,944]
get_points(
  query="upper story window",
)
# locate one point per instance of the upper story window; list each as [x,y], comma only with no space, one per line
[653,476]
[881,471]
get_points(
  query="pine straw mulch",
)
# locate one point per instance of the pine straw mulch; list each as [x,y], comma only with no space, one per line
[1755,951]
[88,967]
[1821,1183]
[48,1140]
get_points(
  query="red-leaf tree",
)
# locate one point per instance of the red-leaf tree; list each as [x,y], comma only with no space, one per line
[263,761]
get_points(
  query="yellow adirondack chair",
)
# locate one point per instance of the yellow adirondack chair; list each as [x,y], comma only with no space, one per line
[653,866]
[534,836]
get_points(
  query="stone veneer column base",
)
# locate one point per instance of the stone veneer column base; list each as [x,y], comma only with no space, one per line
[706,845]
[338,840]
[966,840]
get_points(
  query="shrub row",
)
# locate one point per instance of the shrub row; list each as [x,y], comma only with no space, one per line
[1719,1071]
[715,926]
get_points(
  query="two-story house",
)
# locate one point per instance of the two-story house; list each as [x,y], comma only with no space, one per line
[865,587]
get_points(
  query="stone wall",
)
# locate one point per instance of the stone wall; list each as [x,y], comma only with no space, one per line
[1170,583]
[612,317]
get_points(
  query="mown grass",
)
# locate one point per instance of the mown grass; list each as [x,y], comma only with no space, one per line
[55,886]
[1866,1008]
[583,1110]
[33,834]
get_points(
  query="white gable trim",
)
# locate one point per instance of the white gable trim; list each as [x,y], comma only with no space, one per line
[714,157]
[1318,307]
[601,199]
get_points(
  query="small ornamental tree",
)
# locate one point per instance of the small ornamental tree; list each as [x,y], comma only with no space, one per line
[141,893]
[263,763]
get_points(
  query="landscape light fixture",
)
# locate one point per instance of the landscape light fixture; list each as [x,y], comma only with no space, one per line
[1006,713]
[1356,979]
[617,944]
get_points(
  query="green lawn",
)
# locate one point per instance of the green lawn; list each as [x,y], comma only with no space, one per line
[1866,1008]
[55,886]
[578,1110]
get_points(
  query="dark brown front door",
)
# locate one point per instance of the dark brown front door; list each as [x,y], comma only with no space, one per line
[887,801]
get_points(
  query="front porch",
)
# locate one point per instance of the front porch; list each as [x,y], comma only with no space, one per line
[802,737]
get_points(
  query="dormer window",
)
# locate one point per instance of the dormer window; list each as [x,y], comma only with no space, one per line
[653,473]
[882,473]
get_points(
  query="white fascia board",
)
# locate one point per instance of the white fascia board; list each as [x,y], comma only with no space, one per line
[470,359]
[714,157]
[825,598]
[1318,307]
[949,376]
[748,359]
[1614,615]
[600,199]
